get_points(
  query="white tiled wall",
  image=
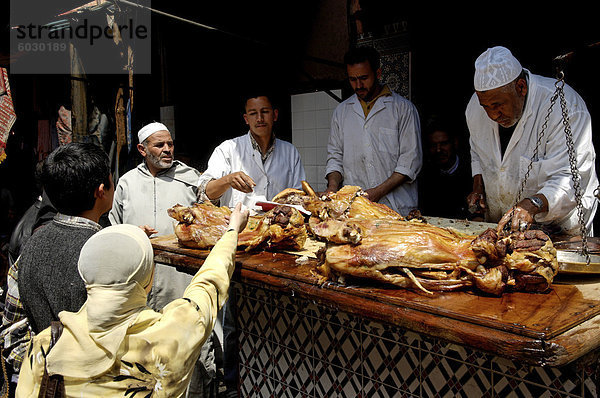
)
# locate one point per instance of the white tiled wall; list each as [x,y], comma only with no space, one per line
[311,120]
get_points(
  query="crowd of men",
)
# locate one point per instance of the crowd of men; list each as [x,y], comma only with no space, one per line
[375,142]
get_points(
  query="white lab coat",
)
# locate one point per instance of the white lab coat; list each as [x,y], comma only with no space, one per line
[366,151]
[282,169]
[550,174]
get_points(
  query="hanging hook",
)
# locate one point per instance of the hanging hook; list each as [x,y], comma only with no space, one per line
[560,75]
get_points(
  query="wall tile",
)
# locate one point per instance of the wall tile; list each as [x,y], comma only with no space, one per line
[309,119]
[323,118]
[255,385]
[295,102]
[311,174]
[321,153]
[297,120]
[293,369]
[310,138]
[331,103]
[321,100]
[321,175]
[445,377]
[310,157]
[322,137]
[335,382]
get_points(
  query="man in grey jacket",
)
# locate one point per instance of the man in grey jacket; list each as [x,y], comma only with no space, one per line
[142,197]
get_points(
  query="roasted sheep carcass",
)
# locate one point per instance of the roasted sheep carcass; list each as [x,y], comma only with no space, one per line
[349,202]
[202,225]
[290,196]
[413,254]
[367,240]
[280,228]
[402,253]
[524,261]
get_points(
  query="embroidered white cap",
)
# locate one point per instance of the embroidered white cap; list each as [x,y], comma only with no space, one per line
[150,129]
[495,68]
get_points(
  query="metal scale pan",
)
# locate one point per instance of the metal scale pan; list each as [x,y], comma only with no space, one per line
[570,261]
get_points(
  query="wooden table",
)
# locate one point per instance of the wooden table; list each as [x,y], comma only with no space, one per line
[550,329]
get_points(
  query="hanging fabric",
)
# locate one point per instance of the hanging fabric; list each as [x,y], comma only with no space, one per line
[7,112]
[120,129]
[128,115]
[130,99]
[44,143]
[63,126]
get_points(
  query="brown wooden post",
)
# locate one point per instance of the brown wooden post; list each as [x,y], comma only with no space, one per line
[78,96]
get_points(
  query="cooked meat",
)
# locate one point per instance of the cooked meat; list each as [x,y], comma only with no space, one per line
[426,257]
[200,225]
[290,196]
[362,207]
[396,243]
[280,228]
[370,241]
[348,202]
[336,231]
[491,280]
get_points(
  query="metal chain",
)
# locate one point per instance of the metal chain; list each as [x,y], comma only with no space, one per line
[559,93]
[533,157]
[576,177]
[537,146]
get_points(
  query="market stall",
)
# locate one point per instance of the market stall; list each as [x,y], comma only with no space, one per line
[302,337]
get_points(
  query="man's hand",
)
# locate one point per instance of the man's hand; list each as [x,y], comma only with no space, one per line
[476,202]
[238,218]
[476,199]
[148,230]
[518,217]
[373,194]
[334,182]
[238,180]
[521,216]
[241,182]
[326,192]
[392,182]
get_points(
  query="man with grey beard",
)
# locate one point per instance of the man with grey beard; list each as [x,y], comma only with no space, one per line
[142,198]
[519,149]
[144,194]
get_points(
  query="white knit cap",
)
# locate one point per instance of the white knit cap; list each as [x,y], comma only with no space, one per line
[496,67]
[150,129]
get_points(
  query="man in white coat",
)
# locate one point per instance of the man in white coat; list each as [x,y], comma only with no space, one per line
[505,117]
[142,197]
[375,138]
[255,166]
[249,168]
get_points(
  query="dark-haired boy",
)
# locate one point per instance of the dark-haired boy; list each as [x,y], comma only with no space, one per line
[44,280]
